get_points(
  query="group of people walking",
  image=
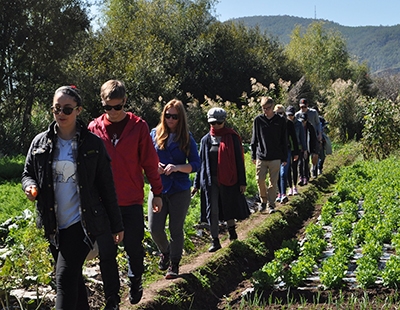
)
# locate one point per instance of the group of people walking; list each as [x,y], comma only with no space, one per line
[88,182]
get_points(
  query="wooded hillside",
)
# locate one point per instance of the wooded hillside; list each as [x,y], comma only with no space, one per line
[379,46]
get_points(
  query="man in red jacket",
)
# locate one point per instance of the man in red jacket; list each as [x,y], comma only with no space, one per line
[128,142]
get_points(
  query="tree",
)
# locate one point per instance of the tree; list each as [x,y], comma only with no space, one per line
[35,36]
[321,54]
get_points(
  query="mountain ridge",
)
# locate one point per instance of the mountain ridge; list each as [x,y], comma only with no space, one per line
[378,46]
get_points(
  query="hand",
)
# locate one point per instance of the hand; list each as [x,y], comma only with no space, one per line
[242,189]
[31,192]
[170,168]
[284,163]
[118,237]
[254,161]
[295,157]
[157,204]
[161,167]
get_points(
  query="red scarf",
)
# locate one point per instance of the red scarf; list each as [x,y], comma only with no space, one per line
[227,171]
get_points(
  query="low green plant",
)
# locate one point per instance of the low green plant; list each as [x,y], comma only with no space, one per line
[333,270]
[367,271]
[27,262]
[391,273]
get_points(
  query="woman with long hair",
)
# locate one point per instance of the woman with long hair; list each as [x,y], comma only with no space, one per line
[178,156]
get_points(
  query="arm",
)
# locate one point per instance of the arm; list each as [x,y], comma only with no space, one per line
[254,141]
[193,164]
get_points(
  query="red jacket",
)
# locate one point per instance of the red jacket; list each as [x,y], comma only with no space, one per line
[133,153]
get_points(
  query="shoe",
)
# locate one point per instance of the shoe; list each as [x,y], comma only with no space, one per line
[262,207]
[301,182]
[305,181]
[271,209]
[164,261]
[284,199]
[136,290]
[278,198]
[173,271]
[290,193]
[232,233]
[215,245]
[112,303]
[295,192]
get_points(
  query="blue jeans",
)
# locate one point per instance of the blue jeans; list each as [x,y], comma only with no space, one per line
[175,206]
[283,177]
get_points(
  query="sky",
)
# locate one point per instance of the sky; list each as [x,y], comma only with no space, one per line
[344,12]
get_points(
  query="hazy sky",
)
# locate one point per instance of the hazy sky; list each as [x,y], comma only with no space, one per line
[343,12]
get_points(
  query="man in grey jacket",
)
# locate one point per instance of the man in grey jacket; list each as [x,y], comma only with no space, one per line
[313,118]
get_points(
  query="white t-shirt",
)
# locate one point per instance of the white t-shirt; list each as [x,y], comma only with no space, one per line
[66,191]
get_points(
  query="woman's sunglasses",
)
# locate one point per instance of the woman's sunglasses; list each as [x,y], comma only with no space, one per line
[65,110]
[213,123]
[117,107]
[168,116]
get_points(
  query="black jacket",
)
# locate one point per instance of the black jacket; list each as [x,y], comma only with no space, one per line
[98,200]
[269,140]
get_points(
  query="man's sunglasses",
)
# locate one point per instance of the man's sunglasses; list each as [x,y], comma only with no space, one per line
[168,116]
[117,107]
[65,110]
[213,123]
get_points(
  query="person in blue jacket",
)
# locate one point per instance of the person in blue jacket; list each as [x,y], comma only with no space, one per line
[178,156]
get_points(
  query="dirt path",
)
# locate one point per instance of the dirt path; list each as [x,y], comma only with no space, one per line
[150,292]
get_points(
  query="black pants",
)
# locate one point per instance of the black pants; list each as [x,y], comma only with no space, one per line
[70,257]
[133,219]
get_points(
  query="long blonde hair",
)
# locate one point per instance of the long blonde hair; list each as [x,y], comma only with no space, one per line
[182,128]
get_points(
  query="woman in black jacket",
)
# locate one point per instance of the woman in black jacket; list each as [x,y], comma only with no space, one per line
[67,170]
[222,177]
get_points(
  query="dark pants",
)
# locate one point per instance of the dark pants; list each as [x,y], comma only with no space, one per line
[175,207]
[293,172]
[70,257]
[132,217]
[304,166]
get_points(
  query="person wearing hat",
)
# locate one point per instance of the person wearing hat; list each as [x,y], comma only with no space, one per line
[293,174]
[313,118]
[311,148]
[269,149]
[222,177]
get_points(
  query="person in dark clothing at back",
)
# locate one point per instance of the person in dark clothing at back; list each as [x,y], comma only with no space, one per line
[311,143]
[269,149]
[293,151]
[293,173]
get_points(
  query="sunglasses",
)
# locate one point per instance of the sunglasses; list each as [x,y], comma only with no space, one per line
[117,107]
[174,116]
[213,123]
[65,110]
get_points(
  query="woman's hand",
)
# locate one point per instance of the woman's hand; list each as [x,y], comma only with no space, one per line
[31,192]
[242,189]
[161,167]
[170,168]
